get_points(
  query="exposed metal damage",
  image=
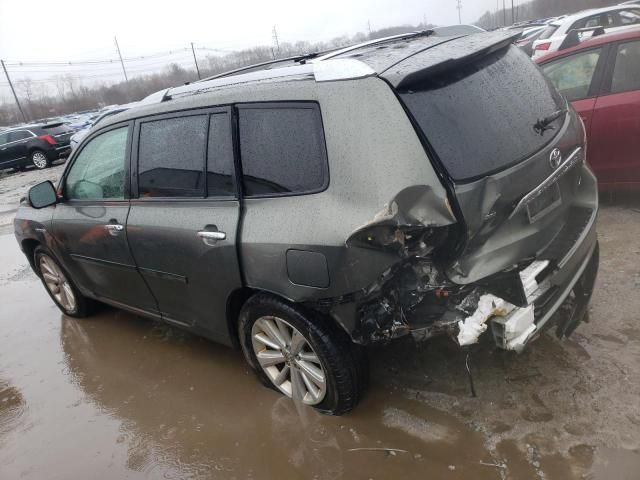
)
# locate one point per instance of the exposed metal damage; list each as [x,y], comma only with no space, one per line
[415,297]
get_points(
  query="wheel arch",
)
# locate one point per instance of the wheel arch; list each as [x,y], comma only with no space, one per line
[240,296]
[29,246]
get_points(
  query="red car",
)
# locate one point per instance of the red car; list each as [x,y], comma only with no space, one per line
[601,79]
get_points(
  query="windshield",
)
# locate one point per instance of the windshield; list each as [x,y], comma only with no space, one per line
[480,118]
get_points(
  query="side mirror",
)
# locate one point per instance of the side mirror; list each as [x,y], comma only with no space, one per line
[43,195]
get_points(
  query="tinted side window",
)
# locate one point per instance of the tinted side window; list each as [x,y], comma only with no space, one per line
[572,75]
[19,135]
[626,73]
[220,179]
[98,172]
[171,157]
[282,149]
[4,138]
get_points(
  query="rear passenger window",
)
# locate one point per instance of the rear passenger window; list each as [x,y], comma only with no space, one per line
[171,157]
[282,149]
[626,74]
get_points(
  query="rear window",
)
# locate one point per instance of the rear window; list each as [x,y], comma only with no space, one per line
[56,129]
[548,32]
[479,118]
[282,149]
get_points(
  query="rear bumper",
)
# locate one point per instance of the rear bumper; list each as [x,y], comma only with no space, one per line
[61,151]
[565,294]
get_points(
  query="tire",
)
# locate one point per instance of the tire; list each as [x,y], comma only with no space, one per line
[46,267]
[326,347]
[39,159]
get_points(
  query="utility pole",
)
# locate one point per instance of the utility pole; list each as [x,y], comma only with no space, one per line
[24,117]
[121,61]
[459,7]
[195,60]
[513,18]
[275,41]
[504,13]
[369,28]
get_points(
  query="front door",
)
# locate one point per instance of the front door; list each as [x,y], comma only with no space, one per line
[182,226]
[89,224]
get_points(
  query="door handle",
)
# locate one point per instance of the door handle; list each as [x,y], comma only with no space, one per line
[210,238]
[114,229]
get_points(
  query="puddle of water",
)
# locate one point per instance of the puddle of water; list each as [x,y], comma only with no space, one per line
[117,396]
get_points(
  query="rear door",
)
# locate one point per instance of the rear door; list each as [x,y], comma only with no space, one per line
[615,141]
[182,225]
[88,223]
[16,149]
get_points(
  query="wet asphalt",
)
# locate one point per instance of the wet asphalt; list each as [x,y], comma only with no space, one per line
[119,396]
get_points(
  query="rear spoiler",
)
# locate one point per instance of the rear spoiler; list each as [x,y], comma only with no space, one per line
[573,37]
[446,56]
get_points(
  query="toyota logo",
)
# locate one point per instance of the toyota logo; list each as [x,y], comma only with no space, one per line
[555,158]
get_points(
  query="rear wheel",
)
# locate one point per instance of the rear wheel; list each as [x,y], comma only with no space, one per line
[39,159]
[60,287]
[302,355]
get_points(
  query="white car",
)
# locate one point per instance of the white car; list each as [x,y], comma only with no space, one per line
[610,18]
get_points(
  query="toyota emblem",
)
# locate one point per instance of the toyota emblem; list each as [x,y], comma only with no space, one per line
[555,158]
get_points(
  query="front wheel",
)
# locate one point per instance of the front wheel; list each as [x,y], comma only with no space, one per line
[39,159]
[302,355]
[60,287]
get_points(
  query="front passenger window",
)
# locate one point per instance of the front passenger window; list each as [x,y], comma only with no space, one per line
[98,172]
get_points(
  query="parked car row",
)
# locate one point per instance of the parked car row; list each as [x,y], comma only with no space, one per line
[540,39]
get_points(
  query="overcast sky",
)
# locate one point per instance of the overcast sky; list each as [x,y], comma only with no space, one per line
[67,30]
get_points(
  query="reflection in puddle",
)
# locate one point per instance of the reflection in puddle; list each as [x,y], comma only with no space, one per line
[189,409]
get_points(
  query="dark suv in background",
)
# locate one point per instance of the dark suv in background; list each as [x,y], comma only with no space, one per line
[419,185]
[36,145]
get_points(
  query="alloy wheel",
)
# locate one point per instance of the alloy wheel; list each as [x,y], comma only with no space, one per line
[57,284]
[39,160]
[287,358]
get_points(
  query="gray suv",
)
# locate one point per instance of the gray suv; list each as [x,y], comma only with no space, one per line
[418,185]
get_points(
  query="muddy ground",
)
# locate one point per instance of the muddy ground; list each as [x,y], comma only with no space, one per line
[118,396]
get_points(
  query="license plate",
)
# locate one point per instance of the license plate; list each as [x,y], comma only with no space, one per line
[544,203]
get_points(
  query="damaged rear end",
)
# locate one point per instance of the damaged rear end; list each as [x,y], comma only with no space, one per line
[522,255]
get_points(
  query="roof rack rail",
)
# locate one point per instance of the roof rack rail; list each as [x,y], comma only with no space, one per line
[295,59]
[573,37]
